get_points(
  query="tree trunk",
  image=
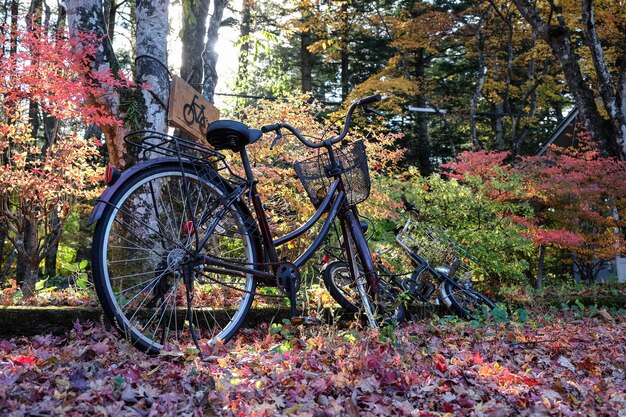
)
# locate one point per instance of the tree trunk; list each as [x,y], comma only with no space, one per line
[192,38]
[497,126]
[559,40]
[209,55]
[540,267]
[478,90]
[50,268]
[423,148]
[345,53]
[27,271]
[306,67]
[606,88]
[110,14]
[152,26]
[87,16]
[3,238]
[59,26]
[35,13]
[15,10]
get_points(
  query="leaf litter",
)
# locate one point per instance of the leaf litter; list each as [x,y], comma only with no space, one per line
[557,365]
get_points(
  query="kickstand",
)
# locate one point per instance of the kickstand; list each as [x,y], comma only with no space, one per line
[292,292]
[188,280]
[296,319]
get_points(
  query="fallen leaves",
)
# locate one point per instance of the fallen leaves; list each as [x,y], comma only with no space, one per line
[552,367]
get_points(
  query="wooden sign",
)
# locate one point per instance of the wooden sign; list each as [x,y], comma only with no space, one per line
[189,111]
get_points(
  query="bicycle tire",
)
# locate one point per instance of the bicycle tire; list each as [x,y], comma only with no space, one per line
[338,280]
[466,303]
[139,250]
[339,283]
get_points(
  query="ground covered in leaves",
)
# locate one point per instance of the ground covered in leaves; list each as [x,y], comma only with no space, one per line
[570,363]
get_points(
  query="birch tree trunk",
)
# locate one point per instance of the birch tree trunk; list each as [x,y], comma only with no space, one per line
[152,26]
[151,36]
[87,16]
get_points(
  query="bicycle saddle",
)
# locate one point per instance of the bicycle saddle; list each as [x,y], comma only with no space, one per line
[230,134]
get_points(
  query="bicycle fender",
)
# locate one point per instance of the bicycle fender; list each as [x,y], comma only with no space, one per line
[108,193]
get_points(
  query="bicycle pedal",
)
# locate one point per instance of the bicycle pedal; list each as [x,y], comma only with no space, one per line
[306,321]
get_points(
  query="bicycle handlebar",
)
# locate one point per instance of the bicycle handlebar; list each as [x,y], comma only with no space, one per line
[408,206]
[363,102]
[269,128]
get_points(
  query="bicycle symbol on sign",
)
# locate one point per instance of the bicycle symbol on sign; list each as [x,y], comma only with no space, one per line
[194,113]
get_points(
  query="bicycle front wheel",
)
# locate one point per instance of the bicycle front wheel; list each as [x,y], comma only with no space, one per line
[144,260]
[466,303]
[385,304]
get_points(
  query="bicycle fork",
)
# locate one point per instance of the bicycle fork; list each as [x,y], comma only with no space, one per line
[364,275]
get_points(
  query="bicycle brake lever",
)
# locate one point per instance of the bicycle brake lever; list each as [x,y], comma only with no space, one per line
[370,110]
[276,138]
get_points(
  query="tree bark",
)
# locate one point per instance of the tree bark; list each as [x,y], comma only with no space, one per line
[152,26]
[306,67]
[345,53]
[59,26]
[3,238]
[87,16]
[540,267]
[478,90]
[209,55]
[559,39]
[50,268]
[27,271]
[423,149]
[192,38]
[605,80]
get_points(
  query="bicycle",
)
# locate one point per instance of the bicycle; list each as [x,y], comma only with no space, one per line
[177,252]
[447,282]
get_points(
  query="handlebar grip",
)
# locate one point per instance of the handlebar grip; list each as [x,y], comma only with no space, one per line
[370,99]
[408,206]
[269,128]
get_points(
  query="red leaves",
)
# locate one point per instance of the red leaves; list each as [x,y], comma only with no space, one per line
[465,370]
[24,360]
[440,363]
[572,191]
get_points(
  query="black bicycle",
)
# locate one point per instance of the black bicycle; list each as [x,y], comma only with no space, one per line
[439,272]
[177,253]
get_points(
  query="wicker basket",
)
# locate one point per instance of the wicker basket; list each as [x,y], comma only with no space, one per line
[316,178]
[438,250]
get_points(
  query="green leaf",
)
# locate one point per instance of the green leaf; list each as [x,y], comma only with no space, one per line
[40,285]
[500,315]
[522,315]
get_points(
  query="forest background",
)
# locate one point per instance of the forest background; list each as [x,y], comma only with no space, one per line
[473,90]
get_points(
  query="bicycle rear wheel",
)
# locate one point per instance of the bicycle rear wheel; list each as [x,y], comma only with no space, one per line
[144,256]
[466,303]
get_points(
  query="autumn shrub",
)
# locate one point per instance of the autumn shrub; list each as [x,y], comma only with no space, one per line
[45,169]
[468,217]
[576,195]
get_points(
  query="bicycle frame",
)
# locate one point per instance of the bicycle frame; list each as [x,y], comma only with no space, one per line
[334,203]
